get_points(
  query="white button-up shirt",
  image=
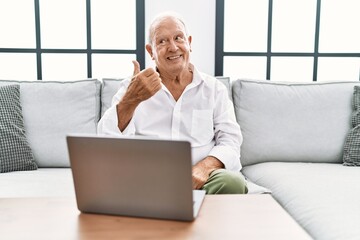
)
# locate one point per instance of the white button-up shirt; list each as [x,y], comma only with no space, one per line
[203,115]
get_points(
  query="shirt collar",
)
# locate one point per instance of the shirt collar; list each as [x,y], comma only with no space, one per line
[197,77]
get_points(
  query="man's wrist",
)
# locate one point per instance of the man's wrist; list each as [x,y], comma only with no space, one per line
[129,102]
[125,111]
[211,163]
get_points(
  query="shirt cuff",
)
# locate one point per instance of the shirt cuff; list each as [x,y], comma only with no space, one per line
[227,156]
[108,124]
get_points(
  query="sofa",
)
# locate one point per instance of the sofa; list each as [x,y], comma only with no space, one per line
[294,136]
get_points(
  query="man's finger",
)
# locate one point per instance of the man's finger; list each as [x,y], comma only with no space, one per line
[136,67]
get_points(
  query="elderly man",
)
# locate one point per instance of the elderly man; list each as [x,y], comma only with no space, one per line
[177,101]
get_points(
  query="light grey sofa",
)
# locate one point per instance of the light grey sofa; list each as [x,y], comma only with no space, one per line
[293,142]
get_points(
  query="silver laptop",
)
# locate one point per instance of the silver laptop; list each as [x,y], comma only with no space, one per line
[134,177]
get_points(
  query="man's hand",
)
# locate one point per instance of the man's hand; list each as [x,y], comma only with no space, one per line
[144,84]
[201,171]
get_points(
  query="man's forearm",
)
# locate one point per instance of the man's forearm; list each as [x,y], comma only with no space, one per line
[125,113]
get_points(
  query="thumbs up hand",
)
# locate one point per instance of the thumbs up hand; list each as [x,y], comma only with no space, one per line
[144,84]
[136,67]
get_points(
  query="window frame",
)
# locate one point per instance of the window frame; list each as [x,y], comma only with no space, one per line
[220,53]
[38,50]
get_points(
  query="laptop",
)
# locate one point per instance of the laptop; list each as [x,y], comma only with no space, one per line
[136,177]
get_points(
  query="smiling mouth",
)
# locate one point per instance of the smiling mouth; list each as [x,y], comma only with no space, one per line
[174,57]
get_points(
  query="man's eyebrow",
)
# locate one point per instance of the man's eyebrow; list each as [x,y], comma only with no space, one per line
[158,38]
[164,36]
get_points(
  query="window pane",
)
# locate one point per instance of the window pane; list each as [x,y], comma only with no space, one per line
[63,23]
[113,24]
[112,65]
[292,69]
[293,26]
[18,66]
[245,26]
[338,68]
[245,67]
[63,66]
[339,26]
[17,24]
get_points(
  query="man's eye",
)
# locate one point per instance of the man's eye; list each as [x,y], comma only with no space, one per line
[162,41]
[179,38]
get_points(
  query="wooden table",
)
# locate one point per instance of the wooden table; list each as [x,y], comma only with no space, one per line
[221,217]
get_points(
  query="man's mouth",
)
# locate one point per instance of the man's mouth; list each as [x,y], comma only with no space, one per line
[174,57]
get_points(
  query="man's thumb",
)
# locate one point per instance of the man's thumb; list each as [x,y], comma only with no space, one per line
[136,67]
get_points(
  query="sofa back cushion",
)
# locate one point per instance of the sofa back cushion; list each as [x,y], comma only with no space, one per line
[54,109]
[292,122]
[110,86]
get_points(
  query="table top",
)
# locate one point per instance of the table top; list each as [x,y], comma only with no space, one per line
[220,217]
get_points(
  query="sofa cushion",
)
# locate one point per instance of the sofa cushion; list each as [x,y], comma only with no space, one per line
[227,83]
[321,197]
[352,143]
[15,152]
[292,122]
[111,86]
[53,109]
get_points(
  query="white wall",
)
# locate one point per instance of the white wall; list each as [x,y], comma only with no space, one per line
[199,16]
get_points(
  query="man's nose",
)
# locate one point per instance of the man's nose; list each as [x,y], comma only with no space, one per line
[173,46]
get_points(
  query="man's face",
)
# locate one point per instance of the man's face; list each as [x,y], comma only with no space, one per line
[170,46]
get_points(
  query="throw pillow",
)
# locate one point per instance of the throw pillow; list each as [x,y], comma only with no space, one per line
[351,155]
[15,152]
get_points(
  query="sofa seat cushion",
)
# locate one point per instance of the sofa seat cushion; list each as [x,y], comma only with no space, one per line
[44,182]
[322,197]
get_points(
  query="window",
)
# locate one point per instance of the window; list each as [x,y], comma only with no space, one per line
[288,40]
[70,39]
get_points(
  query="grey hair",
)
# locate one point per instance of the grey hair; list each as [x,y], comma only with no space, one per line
[161,17]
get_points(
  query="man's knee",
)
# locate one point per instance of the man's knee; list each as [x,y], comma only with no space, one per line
[225,182]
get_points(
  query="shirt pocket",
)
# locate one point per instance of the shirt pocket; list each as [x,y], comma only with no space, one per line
[202,127]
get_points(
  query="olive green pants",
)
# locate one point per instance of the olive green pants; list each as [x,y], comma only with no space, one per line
[222,181]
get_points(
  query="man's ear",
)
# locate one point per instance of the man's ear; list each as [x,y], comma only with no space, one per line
[149,50]
[189,40]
